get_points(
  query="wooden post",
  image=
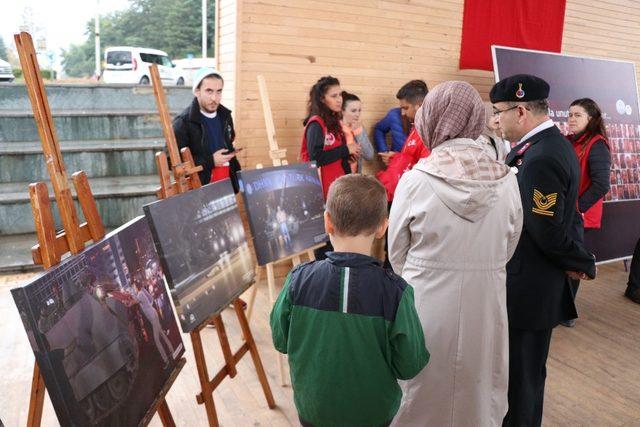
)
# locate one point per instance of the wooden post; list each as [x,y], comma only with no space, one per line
[51,246]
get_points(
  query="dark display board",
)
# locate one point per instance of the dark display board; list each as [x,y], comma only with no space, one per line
[103,330]
[612,84]
[285,207]
[203,250]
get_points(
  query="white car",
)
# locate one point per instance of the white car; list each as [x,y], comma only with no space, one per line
[6,73]
[130,65]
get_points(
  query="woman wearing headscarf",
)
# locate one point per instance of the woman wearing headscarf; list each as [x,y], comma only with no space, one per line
[455,222]
[490,139]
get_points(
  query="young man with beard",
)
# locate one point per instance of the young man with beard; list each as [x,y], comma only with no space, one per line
[206,127]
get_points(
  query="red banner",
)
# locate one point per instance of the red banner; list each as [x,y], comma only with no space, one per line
[530,24]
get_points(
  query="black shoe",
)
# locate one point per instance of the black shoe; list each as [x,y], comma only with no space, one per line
[633,294]
[569,323]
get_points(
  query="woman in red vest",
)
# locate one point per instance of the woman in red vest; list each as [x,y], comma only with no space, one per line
[589,139]
[323,140]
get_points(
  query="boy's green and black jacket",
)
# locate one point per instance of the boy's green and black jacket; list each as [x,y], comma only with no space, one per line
[351,331]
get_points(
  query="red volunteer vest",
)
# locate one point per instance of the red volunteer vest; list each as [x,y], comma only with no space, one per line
[593,215]
[329,172]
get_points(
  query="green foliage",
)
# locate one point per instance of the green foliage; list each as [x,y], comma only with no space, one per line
[174,26]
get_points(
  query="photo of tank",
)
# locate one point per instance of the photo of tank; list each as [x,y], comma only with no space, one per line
[285,208]
[203,250]
[103,330]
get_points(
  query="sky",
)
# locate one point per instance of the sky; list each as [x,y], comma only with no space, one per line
[60,22]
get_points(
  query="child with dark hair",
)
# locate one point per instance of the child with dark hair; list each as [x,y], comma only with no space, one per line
[349,326]
[399,121]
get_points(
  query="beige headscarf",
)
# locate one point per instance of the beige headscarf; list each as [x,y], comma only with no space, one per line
[450,110]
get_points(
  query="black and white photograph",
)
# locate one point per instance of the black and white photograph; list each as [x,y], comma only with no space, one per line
[285,207]
[203,250]
[103,330]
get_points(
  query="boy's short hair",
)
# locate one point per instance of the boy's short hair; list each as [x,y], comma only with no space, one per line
[413,91]
[357,204]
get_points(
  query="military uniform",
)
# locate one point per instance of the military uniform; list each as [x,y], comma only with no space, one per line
[538,292]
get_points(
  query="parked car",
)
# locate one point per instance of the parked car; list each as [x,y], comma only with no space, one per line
[126,64]
[191,65]
[6,73]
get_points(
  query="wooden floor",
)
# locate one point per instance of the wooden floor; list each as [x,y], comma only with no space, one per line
[593,369]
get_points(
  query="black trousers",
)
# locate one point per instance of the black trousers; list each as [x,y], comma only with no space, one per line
[581,232]
[528,351]
[634,269]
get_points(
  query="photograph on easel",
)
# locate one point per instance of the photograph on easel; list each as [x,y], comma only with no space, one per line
[203,250]
[285,208]
[102,329]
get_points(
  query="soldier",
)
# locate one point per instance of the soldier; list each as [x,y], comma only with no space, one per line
[538,293]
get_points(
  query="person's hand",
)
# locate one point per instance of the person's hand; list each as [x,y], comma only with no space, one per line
[578,275]
[354,149]
[385,157]
[221,158]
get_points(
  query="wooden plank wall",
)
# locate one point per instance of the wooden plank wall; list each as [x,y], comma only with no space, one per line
[373,47]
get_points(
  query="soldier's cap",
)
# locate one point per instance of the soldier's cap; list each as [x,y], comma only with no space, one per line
[519,88]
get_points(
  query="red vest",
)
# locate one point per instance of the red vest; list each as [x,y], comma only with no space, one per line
[333,170]
[593,215]
[412,151]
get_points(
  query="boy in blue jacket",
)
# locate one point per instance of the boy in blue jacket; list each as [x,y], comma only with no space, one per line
[349,326]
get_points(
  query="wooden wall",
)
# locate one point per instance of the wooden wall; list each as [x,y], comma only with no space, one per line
[373,47]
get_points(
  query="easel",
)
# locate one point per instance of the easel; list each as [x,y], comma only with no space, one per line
[186,178]
[278,158]
[185,173]
[52,245]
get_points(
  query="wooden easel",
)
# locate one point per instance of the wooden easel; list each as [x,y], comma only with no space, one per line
[185,173]
[278,158]
[51,244]
[186,178]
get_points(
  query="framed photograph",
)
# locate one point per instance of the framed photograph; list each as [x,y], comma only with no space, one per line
[285,208]
[102,330]
[203,250]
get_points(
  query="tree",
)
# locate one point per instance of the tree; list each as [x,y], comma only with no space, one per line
[170,25]
[3,50]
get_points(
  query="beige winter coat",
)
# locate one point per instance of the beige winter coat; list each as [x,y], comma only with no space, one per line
[451,238]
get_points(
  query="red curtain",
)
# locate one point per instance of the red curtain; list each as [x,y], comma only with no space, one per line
[530,24]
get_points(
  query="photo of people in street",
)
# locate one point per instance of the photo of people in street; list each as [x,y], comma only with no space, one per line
[203,250]
[285,208]
[103,330]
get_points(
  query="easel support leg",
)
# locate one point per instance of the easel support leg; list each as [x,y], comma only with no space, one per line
[36,402]
[165,415]
[226,348]
[253,349]
[205,395]
[254,292]
[271,281]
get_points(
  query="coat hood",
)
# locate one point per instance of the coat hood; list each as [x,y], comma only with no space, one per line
[465,178]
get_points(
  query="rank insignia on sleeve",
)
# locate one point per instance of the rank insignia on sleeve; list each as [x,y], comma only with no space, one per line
[543,203]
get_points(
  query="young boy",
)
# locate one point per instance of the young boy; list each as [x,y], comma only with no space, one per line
[350,327]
